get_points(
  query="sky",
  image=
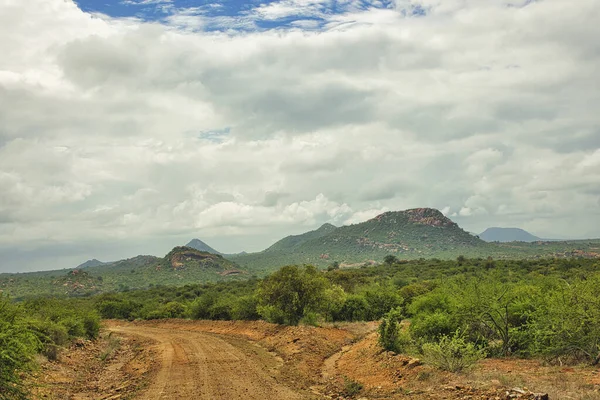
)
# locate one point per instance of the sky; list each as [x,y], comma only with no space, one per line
[130,126]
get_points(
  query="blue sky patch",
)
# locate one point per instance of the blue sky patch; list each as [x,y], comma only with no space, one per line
[224,15]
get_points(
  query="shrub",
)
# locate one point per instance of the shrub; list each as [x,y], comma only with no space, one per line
[17,348]
[91,325]
[290,293]
[381,299]
[351,387]
[452,354]
[431,326]
[355,308]
[389,331]
[244,308]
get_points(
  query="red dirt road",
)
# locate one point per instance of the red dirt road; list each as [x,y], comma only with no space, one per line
[197,365]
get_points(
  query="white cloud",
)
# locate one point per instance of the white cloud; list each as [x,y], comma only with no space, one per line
[479,109]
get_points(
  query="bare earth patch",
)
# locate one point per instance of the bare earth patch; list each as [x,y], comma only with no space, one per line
[112,367]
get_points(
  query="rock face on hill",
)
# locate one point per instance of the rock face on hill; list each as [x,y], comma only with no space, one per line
[414,233]
[182,257]
[507,235]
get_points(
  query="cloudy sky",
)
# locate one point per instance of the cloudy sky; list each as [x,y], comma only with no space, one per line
[131,126]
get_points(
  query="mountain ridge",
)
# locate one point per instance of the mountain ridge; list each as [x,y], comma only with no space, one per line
[413,233]
[201,246]
[497,234]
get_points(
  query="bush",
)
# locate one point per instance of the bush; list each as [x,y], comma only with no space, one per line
[91,325]
[290,293]
[430,327]
[18,345]
[566,326]
[452,354]
[244,308]
[381,299]
[389,331]
[355,308]
[352,387]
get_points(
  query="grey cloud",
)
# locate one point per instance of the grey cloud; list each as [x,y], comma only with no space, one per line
[492,115]
[273,198]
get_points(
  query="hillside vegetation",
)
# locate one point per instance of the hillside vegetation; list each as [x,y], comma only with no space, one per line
[407,235]
[182,265]
[411,234]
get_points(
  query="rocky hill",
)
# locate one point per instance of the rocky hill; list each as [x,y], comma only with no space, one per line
[415,233]
[181,266]
[507,235]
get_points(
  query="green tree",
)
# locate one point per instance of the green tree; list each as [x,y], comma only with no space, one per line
[390,259]
[290,293]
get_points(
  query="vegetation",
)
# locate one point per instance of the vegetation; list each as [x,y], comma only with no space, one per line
[459,310]
[501,307]
[41,326]
[390,331]
[292,293]
[182,265]
[411,234]
[452,354]
[391,236]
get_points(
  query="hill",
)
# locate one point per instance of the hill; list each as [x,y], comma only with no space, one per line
[410,234]
[90,263]
[200,245]
[181,266]
[507,235]
[293,241]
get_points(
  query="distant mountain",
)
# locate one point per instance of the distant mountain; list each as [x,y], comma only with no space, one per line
[200,245]
[507,235]
[415,233]
[90,263]
[293,241]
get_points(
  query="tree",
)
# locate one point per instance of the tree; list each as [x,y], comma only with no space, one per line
[290,293]
[390,259]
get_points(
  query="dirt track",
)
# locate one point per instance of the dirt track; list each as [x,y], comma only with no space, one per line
[196,365]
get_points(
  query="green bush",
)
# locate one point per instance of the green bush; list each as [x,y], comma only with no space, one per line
[18,345]
[389,331]
[566,325]
[290,293]
[431,326]
[452,354]
[352,387]
[355,308]
[381,299]
[244,308]
[91,325]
